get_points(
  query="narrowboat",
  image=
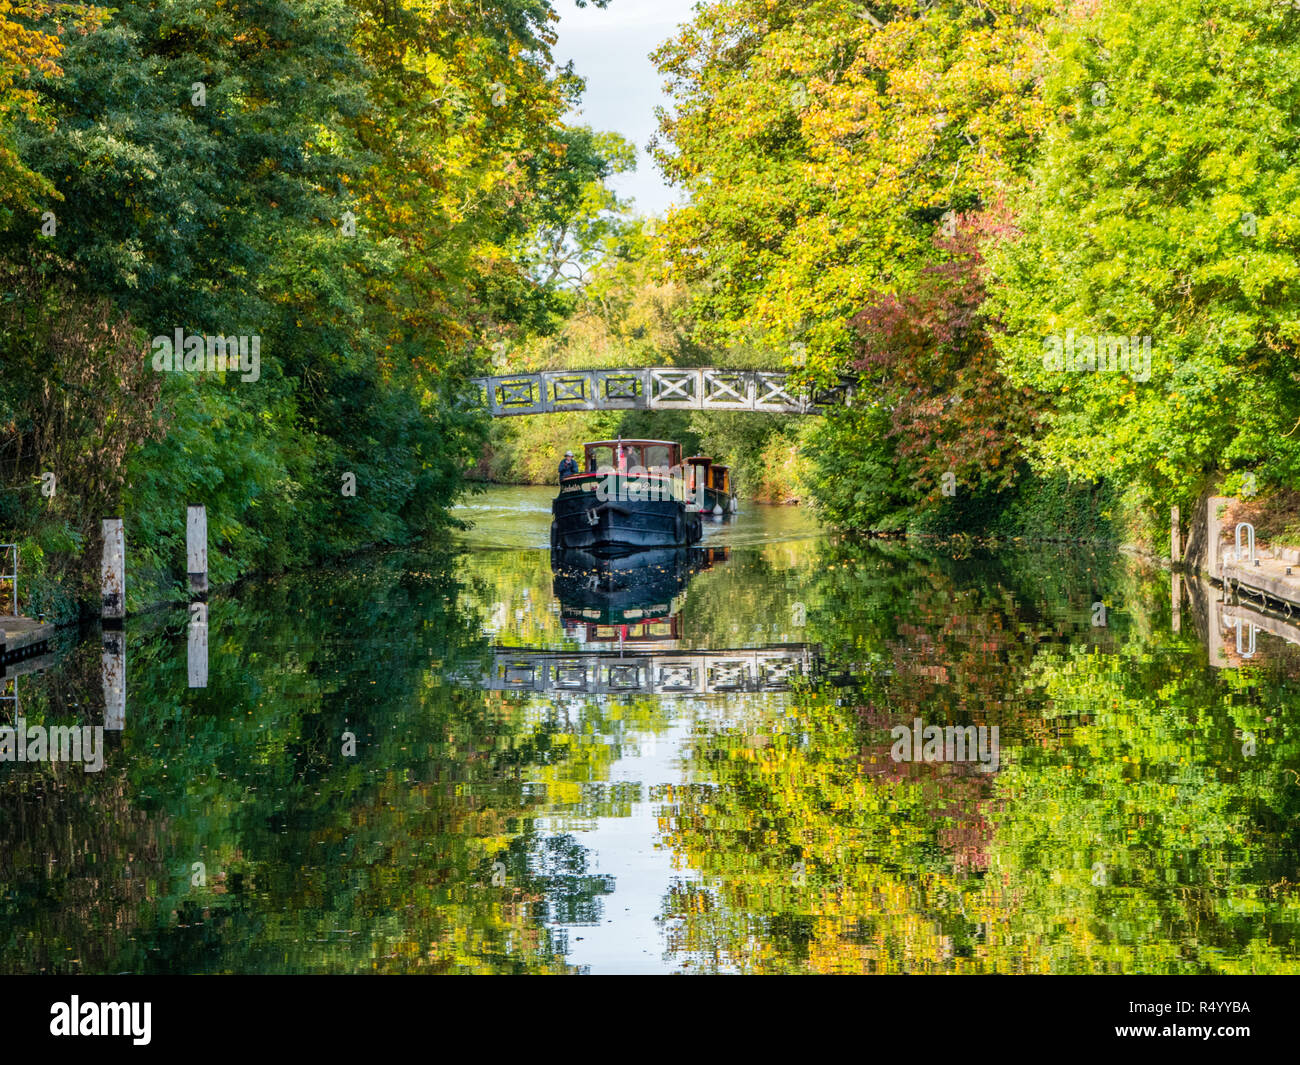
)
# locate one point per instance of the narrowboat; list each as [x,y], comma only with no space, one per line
[712,480]
[629,495]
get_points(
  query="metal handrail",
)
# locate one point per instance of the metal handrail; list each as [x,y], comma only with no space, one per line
[12,577]
[1250,533]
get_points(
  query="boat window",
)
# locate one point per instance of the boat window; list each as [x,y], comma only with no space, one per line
[600,459]
[658,456]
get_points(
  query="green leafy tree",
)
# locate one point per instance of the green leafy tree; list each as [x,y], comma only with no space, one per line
[822,146]
[1163,208]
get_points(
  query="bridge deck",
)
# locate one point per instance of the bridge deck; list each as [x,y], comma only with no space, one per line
[651,388]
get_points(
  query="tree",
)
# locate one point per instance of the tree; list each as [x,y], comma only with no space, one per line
[822,147]
[354,186]
[927,363]
[75,401]
[1160,225]
[30,45]
[821,144]
[581,221]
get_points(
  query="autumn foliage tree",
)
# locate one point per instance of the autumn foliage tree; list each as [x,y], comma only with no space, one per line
[30,45]
[822,143]
[942,425]
[358,185]
[927,358]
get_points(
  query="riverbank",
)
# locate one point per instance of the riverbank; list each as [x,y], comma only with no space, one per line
[61,603]
[1245,546]
[22,638]
[1044,516]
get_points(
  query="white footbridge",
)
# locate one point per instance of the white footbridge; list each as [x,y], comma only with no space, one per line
[676,388]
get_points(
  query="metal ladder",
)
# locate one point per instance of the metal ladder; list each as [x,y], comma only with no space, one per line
[12,577]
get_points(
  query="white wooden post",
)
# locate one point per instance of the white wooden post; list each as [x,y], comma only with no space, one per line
[113,570]
[114,676]
[1213,530]
[198,645]
[196,548]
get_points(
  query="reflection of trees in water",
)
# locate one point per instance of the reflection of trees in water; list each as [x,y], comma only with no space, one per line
[314,861]
[453,837]
[79,861]
[1123,832]
[557,870]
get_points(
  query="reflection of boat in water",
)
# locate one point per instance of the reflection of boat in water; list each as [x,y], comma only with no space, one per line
[640,593]
[712,481]
[631,496]
[632,606]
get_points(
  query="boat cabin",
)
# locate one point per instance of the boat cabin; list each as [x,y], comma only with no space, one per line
[700,470]
[621,456]
[696,470]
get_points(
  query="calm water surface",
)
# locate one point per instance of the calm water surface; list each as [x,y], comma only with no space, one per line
[458,761]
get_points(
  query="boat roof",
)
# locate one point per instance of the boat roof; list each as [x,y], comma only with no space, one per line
[700,460]
[615,443]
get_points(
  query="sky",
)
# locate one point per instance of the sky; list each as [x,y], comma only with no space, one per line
[611,49]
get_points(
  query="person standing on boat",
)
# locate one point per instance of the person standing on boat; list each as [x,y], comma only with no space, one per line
[568,466]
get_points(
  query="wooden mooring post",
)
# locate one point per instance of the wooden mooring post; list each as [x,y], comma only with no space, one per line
[197,657]
[1175,536]
[196,549]
[113,672]
[113,572]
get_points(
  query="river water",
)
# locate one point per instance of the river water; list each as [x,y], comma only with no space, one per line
[460,761]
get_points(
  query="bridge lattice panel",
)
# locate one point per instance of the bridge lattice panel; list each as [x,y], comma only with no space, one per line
[693,388]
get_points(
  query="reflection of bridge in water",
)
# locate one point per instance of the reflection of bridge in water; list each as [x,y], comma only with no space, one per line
[771,668]
[632,606]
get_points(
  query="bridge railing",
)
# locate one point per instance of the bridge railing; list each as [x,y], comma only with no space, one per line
[651,388]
